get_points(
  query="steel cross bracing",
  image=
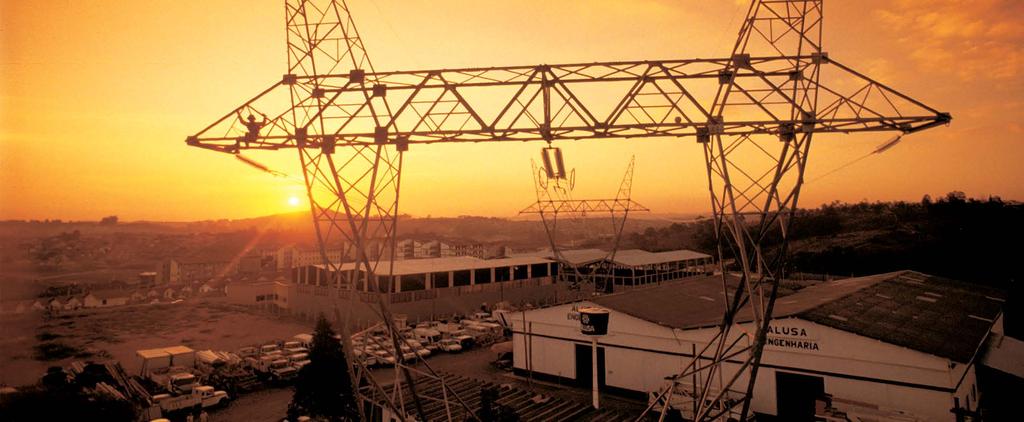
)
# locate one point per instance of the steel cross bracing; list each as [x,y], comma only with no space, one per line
[752,112]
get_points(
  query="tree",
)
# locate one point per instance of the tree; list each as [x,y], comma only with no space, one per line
[109,220]
[323,389]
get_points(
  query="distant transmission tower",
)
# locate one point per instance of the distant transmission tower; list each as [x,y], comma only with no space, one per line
[554,186]
[753,113]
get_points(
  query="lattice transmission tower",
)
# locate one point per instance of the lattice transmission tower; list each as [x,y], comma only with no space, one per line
[752,112]
[555,204]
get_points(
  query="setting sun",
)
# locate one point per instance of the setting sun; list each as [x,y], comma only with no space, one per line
[293,201]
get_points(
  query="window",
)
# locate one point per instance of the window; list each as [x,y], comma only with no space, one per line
[412,282]
[520,272]
[461,278]
[482,275]
[441,280]
[502,274]
[539,270]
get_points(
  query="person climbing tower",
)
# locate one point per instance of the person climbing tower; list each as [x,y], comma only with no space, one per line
[252,126]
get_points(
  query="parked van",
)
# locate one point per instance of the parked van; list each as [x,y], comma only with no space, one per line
[427,335]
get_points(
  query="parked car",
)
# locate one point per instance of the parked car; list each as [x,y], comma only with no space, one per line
[450,345]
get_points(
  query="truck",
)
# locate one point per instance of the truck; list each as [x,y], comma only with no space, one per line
[482,316]
[281,370]
[298,360]
[417,348]
[304,339]
[261,365]
[484,332]
[450,345]
[247,352]
[267,349]
[182,383]
[492,329]
[465,340]
[204,396]
[297,350]
[299,364]
[427,336]
[384,357]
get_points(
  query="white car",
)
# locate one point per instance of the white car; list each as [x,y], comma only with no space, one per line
[450,345]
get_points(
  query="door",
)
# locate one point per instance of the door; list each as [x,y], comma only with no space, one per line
[584,373]
[795,395]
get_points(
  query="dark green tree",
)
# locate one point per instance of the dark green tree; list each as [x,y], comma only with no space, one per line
[323,389]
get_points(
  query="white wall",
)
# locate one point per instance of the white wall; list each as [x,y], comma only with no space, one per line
[842,359]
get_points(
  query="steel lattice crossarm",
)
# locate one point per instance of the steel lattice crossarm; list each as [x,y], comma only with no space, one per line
[669,98]
[584,206]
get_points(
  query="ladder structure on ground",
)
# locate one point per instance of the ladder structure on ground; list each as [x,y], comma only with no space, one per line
[752,113]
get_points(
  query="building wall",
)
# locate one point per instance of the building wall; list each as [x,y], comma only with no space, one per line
[968,391]
[313,257]
[308,301]
[640,354]
[250,293]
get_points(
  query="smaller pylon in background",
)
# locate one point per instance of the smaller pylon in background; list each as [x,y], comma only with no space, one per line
[555,201]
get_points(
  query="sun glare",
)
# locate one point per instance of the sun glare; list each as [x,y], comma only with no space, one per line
[293,201]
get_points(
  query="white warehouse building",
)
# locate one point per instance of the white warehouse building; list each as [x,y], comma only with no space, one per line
[901,344]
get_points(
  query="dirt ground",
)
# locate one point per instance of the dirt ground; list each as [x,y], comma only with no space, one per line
[116,333]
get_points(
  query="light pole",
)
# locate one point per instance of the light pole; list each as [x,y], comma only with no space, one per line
[594,323]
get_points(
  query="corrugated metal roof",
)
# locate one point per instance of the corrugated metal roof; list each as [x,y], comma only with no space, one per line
[638,257]
[455,263]
[930,314]
[684,305]
[580,256]
[625,257]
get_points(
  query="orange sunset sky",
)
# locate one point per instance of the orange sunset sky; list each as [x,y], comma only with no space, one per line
[97,96]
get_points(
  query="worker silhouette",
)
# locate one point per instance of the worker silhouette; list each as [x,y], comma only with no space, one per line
[252,126]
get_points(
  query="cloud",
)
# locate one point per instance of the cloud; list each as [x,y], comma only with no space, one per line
[975,40]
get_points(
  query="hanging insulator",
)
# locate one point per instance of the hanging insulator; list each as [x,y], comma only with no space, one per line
[554,166]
